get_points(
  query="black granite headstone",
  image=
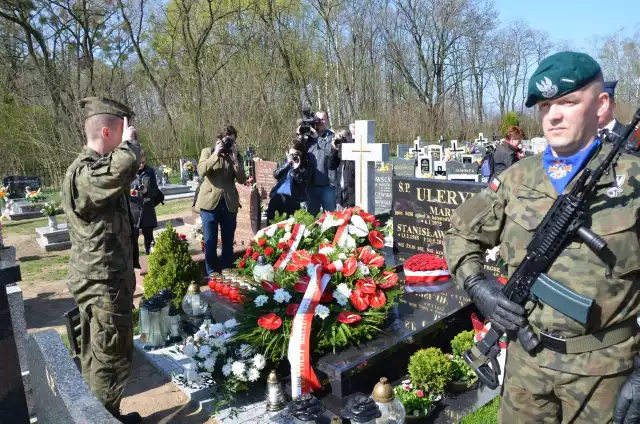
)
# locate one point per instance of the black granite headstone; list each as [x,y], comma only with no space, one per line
[425,167]
[422,213]
[382,192]
[18,185]
[455,167]
[404,167]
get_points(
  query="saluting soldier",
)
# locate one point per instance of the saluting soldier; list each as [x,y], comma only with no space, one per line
[95,196]
[579,373]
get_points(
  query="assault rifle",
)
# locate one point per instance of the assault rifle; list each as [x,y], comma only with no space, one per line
[563,222]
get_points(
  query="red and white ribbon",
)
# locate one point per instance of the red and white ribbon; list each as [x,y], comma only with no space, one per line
[297,232]
[303,378]
[427,281]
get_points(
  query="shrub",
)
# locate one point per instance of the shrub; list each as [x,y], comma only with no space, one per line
[462,342]
[509,119]
[170,267]
[430,370]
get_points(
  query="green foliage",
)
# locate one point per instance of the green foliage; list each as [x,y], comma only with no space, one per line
[509,119]
[171,267]
[430,370]
[462,342]
[416,403]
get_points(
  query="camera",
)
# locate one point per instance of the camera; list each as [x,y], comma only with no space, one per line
[227,143]
[296,157]
[339,140]
[308,120]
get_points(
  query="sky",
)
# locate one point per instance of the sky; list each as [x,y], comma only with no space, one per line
[575,21]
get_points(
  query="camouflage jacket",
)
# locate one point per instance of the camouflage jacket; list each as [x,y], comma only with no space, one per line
[508,216]
[95,196]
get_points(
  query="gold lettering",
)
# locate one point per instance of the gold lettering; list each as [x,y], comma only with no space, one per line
[441,196]
[451,198]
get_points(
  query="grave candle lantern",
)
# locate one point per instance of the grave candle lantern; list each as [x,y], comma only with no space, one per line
[390,407]
[306,409]
[174,322]
[144,319]
[156,336]
[361,410]
[275,395]
[192,304]
[263,271]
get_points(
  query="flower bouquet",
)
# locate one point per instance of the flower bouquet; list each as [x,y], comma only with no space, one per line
[327,273]
[425,272]
[417,403]
[188,169]
[215,359]
[34,196]
[385,167]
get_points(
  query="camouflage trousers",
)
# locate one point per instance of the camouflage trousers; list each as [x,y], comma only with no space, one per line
[107,336]
[532,394]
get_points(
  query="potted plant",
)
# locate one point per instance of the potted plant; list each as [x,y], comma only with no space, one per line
[417,403]
[49,210]
[463,378]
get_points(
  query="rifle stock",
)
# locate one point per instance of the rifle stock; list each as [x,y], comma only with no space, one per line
[562,223]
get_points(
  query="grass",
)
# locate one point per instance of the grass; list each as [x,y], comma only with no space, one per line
[48,268]
[173,206]
[488,414]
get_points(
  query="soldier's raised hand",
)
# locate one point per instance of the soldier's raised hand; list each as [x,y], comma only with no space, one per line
[128,132]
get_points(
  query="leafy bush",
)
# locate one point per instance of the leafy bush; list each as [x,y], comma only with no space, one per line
[462,342]
[509,119]
[430,370]
[170,267]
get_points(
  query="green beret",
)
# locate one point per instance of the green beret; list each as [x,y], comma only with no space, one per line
[560,74]
[100,105]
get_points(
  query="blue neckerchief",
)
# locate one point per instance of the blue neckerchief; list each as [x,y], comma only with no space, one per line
[561,170]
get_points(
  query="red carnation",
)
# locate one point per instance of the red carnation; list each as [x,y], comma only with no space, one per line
[248,252]
[377,300]
[268,251]
[270,321]
[366,286]
[389,279]
[262,242]
[292,309]
[346,317]
[376,239]
[358,300]
[255,256]
[282,245]
[242,264]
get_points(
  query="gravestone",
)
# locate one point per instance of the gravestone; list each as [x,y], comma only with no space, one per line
[54,240]
[264,179]
[424,163]
[18,185]
[462,171]
[439,170]
[417,147]
[383,203]
[467,158]
[435,152]
[365,152]
[455,150]
[539,144]
[403,167]
[61,394]
[248,218]
[401,150]
[481,141]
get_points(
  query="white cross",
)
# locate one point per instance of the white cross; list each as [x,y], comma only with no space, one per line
[441,139]
[481,140]
[365,152]
[417,147]
[454,148]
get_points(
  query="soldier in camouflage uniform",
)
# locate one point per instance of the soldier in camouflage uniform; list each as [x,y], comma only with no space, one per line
[579,373]
[95,200]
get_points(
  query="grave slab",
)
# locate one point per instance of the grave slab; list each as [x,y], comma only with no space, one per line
[54,240]
[382,193]
[173,189]
[403,167]
[19,184]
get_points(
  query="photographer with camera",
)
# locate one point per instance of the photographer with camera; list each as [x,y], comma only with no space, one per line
[145,196]
[321,191]
[219,168]
[293,177]
[346,172]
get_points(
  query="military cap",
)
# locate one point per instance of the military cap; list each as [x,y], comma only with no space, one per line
[560,74]
[610,88]
[101,105]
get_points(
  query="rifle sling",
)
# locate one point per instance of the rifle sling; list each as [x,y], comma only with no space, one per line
[589,342]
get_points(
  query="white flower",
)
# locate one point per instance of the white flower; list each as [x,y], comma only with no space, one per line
[259,362]
[271,231]
[245,350]
[340,298]
[261,300]
[226,370]
[216,329]
[322,311]
[205,324]
[191,375]
[218,343]
[282,296]
[327,250]
[230,323]
[363,268]
[238,368]
[222,350]
[210,363]
[286,237]
[287,228]
[205,351]
[343,290]
[306,233]
[201,334]
[342,256]
[189,350]
[253,374]
[242,377]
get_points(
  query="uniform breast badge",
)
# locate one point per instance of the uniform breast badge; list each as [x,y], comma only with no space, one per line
[559,170]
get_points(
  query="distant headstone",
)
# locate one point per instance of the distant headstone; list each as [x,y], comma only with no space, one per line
[18,185]
[404,167]
[424,163]
[439,169]
[481,141]
[61,394]
[467,159]
[435,151]
[248,218]
[365,152]
[441,140]
[455,150]
[401,150]
[462,171]
[54,240]
[264,179]
[539,144]
[383,192]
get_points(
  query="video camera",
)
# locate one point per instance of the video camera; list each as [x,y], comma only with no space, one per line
[309,119]
[339,140]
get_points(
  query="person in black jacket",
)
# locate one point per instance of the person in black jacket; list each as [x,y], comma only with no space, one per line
[345,174]
[508,152]
[293,176]
[145,196]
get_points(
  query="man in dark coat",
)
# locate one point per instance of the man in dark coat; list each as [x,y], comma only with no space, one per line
[345,174]
[607,121]
[507,153]
[145,196]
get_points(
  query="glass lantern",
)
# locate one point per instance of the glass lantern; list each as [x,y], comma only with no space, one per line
[155,337]
[168,296]
[144,319]
[263,271]
[174,323]
[275,394]
[193,305]
[390,407]
[361,409]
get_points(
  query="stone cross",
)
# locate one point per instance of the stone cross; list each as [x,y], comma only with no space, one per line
[454,148]
[365,153]
[417,147]
[481,140]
